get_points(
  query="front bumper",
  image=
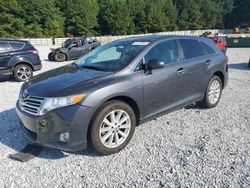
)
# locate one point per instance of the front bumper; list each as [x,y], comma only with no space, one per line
[46,130]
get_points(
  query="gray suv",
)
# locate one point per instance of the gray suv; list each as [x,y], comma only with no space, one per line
[99,99]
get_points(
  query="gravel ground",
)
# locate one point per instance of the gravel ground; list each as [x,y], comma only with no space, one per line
[192,147]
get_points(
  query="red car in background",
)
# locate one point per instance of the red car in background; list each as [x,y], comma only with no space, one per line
[220,41]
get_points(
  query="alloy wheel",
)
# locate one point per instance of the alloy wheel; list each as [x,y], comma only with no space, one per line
[23,73]
[214,92]
[115,128]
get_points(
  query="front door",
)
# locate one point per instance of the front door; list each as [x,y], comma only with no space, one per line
[163,88]
[76,50]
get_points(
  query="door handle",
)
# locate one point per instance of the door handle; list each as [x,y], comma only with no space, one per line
[207,62]
[181,70]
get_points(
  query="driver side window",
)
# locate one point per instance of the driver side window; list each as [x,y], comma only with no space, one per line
[166,51]
[75,44]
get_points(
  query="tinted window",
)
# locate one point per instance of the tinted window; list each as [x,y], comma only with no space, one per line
[166,51]
[16,45]
[4,47]
[208,49]
[192,48]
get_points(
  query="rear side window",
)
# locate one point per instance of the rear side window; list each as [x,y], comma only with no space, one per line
[16,45]
[192,48]
[208,49]
[166,51]
[4,47]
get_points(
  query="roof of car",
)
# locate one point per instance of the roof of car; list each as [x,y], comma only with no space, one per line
[153,38]
[12,40]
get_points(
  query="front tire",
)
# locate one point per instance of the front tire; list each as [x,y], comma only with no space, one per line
[22,73]
[60,57]
[50,56]
[213,92]
[112,127]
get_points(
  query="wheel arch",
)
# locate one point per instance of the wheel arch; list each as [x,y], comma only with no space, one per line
[131,103]
[125,99]
[221,76]
[22,63]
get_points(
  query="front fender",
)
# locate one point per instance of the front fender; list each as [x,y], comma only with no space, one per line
[130,88]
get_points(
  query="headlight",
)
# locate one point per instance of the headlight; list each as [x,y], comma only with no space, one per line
[58,102]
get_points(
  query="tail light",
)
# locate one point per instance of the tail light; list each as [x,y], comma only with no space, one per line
[226,60]
[35,52]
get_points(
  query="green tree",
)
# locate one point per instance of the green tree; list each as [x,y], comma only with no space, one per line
[240,15]
[11,24]
[156,18]
[190,16]
[172,14]
[81,17]
[43,17]
[138,14]
[115,17]
[210,13]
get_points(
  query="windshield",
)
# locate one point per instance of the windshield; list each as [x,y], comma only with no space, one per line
[111,57]
[66,44]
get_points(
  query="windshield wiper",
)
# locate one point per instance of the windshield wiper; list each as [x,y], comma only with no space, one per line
[92,67]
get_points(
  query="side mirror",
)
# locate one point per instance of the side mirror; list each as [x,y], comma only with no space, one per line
[155,64]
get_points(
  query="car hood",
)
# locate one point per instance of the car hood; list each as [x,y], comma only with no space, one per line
[64,81]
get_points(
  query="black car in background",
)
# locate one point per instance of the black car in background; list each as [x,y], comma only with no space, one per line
[18,58]
[73,49]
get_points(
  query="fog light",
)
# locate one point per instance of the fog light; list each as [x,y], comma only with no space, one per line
[64,137]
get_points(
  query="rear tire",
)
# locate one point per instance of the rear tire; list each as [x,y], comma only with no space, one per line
[22,73]
[60,57]
[112,127]
[213,93]
[249,63]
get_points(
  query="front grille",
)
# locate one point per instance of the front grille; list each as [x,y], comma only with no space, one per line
[31,104]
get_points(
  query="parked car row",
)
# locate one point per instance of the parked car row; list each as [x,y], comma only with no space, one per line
[99,99]
[20,58]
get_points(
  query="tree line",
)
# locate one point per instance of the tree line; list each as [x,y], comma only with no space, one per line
[54,18]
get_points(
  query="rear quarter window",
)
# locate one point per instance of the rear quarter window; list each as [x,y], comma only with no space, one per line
[208,49]
[192,48]
[16,45]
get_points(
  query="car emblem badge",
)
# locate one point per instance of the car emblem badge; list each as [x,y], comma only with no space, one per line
[25,94]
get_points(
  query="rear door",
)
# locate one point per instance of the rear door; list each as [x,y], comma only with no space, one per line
[163,88]
[86,47]
[195,61]
[5,55]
